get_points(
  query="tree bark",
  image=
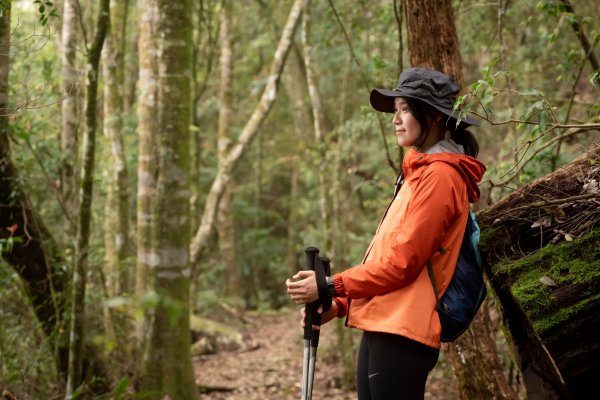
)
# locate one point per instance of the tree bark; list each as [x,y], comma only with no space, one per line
[116,221]
[77,335]
[70,107]
[226,226]
[431,36]
[548,292]
[131,58]
[247,135]
[167,365]
[147,157]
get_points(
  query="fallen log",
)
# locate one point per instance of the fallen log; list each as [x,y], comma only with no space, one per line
[542,245]
[212,337]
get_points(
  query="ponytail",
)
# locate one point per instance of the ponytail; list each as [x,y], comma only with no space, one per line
[467,140]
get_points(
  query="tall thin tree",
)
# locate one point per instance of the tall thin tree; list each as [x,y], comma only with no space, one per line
[77,335]
[70,107]
[116,221]
[226,230]
[147,159]
[167,365]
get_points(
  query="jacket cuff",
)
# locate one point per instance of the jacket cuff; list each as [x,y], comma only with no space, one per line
[339,285]
[342,305]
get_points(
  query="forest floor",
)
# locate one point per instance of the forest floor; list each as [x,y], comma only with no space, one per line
[273,368]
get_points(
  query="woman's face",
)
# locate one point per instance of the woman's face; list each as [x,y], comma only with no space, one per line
[406,126]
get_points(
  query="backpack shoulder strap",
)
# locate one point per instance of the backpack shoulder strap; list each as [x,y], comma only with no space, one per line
[433,283]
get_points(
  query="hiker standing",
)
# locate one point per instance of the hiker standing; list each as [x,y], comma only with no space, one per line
[389,296]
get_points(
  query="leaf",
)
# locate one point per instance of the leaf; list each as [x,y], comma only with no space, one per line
[538,105]
[544,221]
[531,92]
[542,120]
[546,280]
[116,302]
[120,388]
[568,237]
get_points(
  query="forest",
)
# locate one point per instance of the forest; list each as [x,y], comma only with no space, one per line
[164,164]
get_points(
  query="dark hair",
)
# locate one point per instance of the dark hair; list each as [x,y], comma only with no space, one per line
[424,113]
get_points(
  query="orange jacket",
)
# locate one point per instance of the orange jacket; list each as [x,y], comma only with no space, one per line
[391,291]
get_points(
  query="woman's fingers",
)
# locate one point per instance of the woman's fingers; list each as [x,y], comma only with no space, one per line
[302,287]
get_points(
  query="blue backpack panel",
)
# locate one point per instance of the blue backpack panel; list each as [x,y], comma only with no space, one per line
[461,301]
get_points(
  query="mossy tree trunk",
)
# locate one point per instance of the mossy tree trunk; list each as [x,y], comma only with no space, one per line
[116,221]
[36,258]
[548,291]
[167,366]
[77,336]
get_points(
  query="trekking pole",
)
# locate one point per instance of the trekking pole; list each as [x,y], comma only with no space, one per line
[311,255]
[322,269]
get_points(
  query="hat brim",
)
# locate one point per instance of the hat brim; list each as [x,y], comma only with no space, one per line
[383,100]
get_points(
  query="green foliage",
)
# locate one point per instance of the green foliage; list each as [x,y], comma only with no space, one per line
[4,5]
[7,244]
[26,362]
[46,9]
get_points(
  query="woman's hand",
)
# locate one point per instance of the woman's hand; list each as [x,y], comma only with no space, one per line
[325,318]
[302,288]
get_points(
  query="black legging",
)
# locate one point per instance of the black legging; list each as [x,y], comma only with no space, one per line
[392,367]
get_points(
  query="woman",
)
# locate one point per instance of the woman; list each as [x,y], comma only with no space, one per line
[390,296]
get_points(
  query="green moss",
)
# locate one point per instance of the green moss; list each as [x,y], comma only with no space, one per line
[570,263]
[488,237]
[563,314]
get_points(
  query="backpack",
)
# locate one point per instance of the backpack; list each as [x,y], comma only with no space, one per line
[460,302]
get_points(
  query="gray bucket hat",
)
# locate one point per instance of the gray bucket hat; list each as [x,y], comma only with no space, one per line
[427,85]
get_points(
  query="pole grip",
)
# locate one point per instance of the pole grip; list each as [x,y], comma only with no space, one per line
[309,309]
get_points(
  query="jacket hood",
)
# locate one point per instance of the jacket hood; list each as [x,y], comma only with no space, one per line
[470,168]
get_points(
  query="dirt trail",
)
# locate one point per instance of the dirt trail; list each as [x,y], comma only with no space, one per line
[274,369]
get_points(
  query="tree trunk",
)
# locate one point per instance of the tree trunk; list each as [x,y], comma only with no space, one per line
[431,36]
[319,157]
[433,43]
[131,58]
[293,248]
[116,221]
[340,235]
[77,336]
[548,292]
[226,226]
[70,107]
[37,258]
[470,354]
[247,135]
[295,86]
[147,158]
[167,364]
